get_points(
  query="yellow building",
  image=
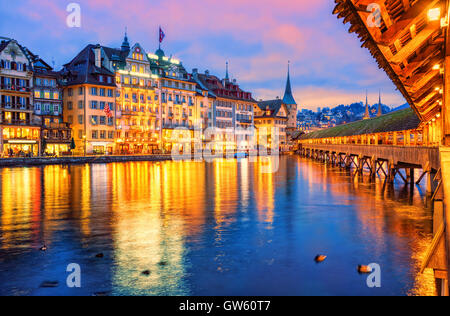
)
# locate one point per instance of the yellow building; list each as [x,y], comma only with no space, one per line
[177,92]
[272,116]
[19,130]
[138,107]
[89,102]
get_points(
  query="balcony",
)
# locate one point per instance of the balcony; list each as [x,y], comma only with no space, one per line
[16,107]
[15,88]
[57,126]
[29,123]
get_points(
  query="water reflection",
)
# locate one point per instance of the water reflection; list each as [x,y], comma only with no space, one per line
[224,228]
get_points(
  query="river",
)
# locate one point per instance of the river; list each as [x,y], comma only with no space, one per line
[197,228]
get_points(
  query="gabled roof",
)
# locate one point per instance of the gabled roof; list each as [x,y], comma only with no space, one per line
[4,44]
[217,87]
[274,106]
[82,69]
[402,120]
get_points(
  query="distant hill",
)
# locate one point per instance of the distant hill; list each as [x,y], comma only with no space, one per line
[401,107]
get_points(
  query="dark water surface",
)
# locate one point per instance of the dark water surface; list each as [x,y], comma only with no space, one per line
[222,228]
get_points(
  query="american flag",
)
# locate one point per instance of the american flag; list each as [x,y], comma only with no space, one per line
[108,111]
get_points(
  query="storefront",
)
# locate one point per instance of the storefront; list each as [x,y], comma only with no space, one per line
[102,148]
[20,141]
[20,148]
[57,149]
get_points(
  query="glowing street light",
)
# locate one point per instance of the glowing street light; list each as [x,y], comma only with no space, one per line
[434,14]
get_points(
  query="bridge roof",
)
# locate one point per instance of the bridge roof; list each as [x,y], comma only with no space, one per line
[406,43]
[393,122]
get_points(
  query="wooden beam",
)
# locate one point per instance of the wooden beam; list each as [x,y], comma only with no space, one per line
[414,44]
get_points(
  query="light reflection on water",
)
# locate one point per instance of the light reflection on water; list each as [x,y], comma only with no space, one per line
[223,228]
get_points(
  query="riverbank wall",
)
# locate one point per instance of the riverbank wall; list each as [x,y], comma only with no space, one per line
[45,161]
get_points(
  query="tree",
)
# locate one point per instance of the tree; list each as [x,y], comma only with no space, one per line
[72,144]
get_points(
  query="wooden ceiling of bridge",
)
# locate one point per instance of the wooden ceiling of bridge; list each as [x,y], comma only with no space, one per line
[405,44]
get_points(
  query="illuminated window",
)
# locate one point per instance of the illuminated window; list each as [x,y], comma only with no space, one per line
[47,94]
[133,68]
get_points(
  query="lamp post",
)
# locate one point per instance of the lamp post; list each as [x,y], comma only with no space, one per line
[85,144]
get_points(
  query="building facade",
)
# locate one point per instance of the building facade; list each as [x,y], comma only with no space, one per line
[232,113]
[56,134]
[177,93]
[278,116]
[19,131]
[137,101]
[89,95]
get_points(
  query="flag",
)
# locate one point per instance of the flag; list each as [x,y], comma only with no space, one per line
[108,111]
[161,35]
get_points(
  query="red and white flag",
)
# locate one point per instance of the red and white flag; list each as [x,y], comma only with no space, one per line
[161,35]
[108,111]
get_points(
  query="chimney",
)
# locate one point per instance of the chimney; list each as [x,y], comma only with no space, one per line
[207,72]
[98,56]
[195,73]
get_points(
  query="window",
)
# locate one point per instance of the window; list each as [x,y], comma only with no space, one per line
[102,134]
[94,120]
[80,134]
[80,105]
[94,134]
[102,120]
[70,119]
[93,91]
[94,105]
[69,105]
[102,92]
[70,92]
[102,105]
[111,106]
[80,119]
[110,93]
[80,91]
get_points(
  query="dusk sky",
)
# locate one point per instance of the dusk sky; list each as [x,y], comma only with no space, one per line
[257,37]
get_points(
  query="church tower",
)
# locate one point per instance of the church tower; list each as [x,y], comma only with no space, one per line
[291,105]
[367,115]
[380,106]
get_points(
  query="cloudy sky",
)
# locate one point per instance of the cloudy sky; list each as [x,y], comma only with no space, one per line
[257,37]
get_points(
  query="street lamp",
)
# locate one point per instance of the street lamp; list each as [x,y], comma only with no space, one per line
[434,14]
[85,144]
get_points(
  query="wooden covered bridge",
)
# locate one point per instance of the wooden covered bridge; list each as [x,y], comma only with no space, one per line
[409,39]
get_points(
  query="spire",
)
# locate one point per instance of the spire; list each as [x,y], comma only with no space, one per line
[288,98]
[380,107]
[227,77]
[125,45]
[367,115]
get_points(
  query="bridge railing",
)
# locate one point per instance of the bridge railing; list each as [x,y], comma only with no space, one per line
[402,138]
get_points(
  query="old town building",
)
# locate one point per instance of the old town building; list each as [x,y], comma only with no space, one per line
[177,92]
[137,102]
[232,112]
[19,131]
[89,102]
[277,116]
[56,134]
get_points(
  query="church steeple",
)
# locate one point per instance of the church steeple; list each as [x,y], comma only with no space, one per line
[380,107]
[125,45]
[367,115]
[227,76]
[288,98]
